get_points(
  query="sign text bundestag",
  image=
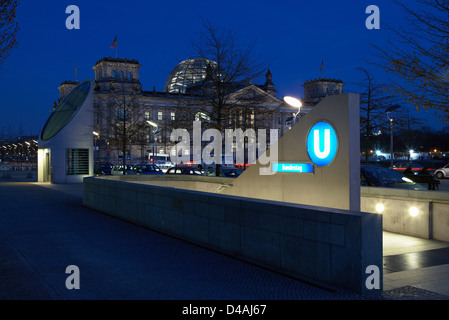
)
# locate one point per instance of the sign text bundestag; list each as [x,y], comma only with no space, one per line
[293,167]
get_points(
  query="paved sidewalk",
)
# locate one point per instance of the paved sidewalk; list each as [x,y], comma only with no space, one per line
[416,262]
[44,228]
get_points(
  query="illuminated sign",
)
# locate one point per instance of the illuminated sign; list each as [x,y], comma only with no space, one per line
[292,167]
[322,144]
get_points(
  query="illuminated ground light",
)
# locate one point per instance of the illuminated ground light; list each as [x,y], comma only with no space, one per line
[380,208]
[413,211]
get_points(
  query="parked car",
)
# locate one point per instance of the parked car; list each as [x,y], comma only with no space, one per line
[184,170]
[163,164]
[375,176]
[241,165]
[414,167]
[403,166]
[227,172]
[103,168]
[148,169]
[118,170]
[442,172]
[5,166]
[226,161]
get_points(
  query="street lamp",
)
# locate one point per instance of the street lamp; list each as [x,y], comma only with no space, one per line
[388,110]
[294,102]
[96,137]
[155,129]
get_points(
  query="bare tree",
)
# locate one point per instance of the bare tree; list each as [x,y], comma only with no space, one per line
[8,27]
[123,120]
[232,69]
[417,59]
[408,128]
[373,102]
[229,69]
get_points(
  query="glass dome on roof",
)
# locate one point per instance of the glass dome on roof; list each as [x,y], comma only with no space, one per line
[186,73]
[65,110]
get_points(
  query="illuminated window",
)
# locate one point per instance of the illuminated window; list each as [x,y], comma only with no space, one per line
[160,115]
[172,116]
[147,115]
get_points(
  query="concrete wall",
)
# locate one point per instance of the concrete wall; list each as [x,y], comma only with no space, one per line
[432,208]
[440,220]
[329,246]
[184,182]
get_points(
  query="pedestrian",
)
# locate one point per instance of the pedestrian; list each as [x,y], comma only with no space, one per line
[408,170]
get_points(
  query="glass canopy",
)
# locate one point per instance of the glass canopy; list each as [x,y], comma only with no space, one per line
[65,110]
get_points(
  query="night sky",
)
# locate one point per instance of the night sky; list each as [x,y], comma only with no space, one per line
[292,37]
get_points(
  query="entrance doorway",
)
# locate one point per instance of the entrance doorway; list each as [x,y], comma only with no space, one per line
[46,165]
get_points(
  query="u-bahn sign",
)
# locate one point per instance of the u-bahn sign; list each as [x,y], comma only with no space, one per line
[322,143]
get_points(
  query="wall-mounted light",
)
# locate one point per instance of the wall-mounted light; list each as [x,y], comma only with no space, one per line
[380,207]
[413,211]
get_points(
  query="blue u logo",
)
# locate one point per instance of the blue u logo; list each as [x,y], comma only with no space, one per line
[322,144]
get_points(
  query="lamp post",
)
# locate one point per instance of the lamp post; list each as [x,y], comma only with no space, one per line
[155,129]
[388,110]
[294,102]
[96,137]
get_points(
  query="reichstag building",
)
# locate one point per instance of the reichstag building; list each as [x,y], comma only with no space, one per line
[135,123]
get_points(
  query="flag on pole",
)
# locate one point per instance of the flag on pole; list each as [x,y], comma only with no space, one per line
[114,44]
[322,65]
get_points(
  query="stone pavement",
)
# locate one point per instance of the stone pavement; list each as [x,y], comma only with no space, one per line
[412,261]
[44,228]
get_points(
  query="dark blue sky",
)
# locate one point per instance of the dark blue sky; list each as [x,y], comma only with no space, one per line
[293,37]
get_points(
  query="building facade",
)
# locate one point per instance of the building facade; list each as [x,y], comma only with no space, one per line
[136,124]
